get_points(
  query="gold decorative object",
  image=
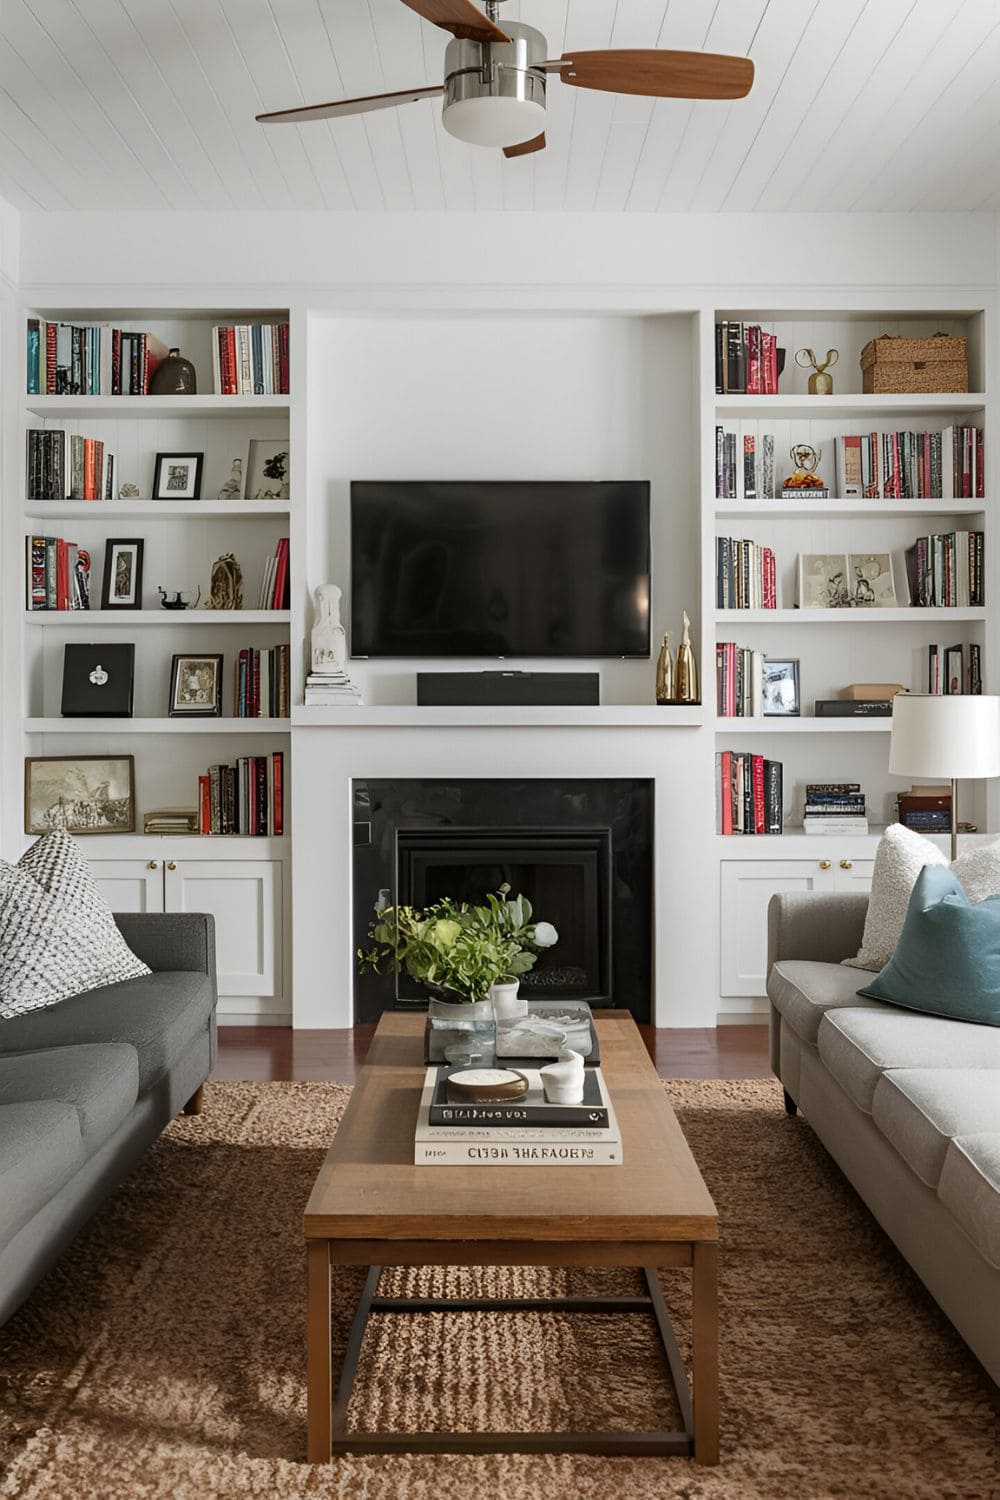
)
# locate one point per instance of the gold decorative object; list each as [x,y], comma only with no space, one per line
[686,672]
[227,584]
[665,673]
[820,383]
[806,460]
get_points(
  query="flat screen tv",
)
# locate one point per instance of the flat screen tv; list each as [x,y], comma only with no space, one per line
[499,568]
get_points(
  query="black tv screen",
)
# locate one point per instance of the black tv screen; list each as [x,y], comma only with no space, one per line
[499,568]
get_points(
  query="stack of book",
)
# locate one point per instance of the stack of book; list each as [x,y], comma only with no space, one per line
[947,570]
[748,793]
[525,1132]
[275,588]
[739,681]
[58,574]
[171,820]
[745,575]
[247,798]
[64,466]
[948,465]
[250,359]
[261,687]
[835,807]
[746,360]
[331,690]
[948,671]
[91,359]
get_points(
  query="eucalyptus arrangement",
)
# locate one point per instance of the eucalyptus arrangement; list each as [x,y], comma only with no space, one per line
[456,949]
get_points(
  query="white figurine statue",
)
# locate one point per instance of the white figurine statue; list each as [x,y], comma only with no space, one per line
[329,639]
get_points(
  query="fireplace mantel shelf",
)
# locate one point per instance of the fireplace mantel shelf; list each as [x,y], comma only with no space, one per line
[600,716]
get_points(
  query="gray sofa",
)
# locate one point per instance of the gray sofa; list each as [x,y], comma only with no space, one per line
[908,1106]
[88,1084]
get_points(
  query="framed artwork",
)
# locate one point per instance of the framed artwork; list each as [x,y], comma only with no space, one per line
[823,580]
[871,581]
[267,469]
[80,793]
[122,586]
[781,686]
[177,476]
[196,686]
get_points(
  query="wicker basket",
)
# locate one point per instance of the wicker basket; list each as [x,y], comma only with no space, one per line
[914,365]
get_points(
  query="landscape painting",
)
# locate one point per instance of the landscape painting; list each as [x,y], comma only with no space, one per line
[81,794]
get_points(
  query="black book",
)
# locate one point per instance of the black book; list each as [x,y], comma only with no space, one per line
[98,680]
[773,796]
[591,1113]
[854,708]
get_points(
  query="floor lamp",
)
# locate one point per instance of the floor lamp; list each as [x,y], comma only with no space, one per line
[951,735]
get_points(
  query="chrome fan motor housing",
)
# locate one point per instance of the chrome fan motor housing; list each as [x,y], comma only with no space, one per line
[494,92]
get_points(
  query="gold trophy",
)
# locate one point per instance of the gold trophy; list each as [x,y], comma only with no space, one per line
[820,383]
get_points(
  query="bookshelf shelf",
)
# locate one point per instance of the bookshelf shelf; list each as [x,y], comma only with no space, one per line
[847,617]
[154,407]
[808,724]
[156,726]
[881,510]
[601,716]
[157,510]
[125,619]
[835,408]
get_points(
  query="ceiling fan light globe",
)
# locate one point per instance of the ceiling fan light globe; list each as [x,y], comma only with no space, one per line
[494,121]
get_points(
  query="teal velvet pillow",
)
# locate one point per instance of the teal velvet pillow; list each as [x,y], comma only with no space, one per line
[947,960]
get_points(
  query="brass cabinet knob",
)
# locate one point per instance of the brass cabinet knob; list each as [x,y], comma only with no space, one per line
[151,865]
[824,864]
[171,865]
[847,864]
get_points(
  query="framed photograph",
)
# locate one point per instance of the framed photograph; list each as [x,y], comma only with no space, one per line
[177,476]
[781,686]
[80,793]
[871,581]
[267,469]
[196,686]
[823,580]
[122,586]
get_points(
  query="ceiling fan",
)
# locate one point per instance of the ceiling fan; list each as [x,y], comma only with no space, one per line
[495,77]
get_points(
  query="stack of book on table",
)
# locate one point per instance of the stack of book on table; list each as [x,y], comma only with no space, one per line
[331,690]
[525,1132]
[835,807]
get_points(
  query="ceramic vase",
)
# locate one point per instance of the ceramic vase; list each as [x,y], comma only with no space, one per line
[507,1003]
[174,376]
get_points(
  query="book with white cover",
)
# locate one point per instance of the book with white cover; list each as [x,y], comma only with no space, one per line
[508,1146]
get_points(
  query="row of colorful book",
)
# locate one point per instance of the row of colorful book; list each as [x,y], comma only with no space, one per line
[745,575]
[746,360]
[947,570]
[245,798]
[946,465]
[250,359]
[954,669]
[739,681]
[58,574]
[90,359]
[261,687]
[66,466]
[749,792]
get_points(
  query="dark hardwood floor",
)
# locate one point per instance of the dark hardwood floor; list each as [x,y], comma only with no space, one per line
[277,1053]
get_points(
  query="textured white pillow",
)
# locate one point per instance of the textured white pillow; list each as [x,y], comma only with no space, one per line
[900,857]
[57,934]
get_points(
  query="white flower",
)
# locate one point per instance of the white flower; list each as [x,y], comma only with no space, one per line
[545,935]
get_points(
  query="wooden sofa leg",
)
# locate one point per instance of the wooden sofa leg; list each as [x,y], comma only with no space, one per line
[196,1102]
[791,1108]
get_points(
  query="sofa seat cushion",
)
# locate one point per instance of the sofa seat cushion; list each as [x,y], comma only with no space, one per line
[159,1014]
[101,1081]
[40,1149]
[804,990]
[970,1190]
[858,1046]
[920,1111]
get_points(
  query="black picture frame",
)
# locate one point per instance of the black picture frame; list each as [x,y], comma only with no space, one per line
[177,476]
[778,702]
[122,589]
[184,702]
[64,807]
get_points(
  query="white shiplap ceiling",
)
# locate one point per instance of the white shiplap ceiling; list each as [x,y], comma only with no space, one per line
[149,104]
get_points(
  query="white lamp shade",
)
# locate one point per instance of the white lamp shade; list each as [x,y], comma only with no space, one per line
[952,735]
[494,120]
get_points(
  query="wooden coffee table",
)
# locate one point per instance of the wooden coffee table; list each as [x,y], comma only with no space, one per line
[372,1207]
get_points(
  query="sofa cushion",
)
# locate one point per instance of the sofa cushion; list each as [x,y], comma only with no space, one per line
[803,990]
[858,1046]
[101,1081]
[40,1149]
[57,934]
[920,1110]
[970,1190]
[159,1014]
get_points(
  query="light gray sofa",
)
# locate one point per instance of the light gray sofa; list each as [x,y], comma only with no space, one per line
[88,1084]
[908,1106]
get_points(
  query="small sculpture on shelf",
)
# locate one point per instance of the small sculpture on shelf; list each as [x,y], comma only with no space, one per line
[677,682]
[820,383]
[804,479]
[129,492]
[227,584]
[233,487]
[174,376]
[181,599]
[665,673]
[329,640]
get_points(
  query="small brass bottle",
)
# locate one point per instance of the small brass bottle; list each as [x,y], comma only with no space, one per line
[665,673]
[686,685]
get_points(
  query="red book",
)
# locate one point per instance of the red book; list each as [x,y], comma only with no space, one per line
[726,778]
[62,574]
[89,479]
[280,574]
[980,459]
[230,382]
[754,385]
[277,793]
[283,369]
[757,782]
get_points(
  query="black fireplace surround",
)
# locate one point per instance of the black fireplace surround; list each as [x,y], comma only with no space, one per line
[581,850]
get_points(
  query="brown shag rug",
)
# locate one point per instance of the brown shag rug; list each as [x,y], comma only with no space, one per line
[164,1357]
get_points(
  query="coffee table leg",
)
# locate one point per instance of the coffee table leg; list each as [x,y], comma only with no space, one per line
[705,1353]
[319,1373]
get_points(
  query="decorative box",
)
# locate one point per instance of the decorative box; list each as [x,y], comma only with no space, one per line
[903,366]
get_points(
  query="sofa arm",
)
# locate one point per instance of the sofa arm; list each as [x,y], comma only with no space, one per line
[820,925]
[171,940]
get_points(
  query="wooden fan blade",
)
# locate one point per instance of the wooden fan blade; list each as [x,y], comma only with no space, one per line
[658,73]
[537,143]
[348,106]
[460,17]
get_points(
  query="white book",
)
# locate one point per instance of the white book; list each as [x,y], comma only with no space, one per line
[216,366]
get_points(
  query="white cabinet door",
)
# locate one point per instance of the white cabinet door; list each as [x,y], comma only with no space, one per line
[245,898]
[853,874]
[747,887]
[130,884]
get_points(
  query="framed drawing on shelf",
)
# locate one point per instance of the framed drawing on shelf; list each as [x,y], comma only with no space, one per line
[177,476]
[871,581]
[823,580]
[267,469]
[781,687]
[196,686]
[122,585]
[79,793]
